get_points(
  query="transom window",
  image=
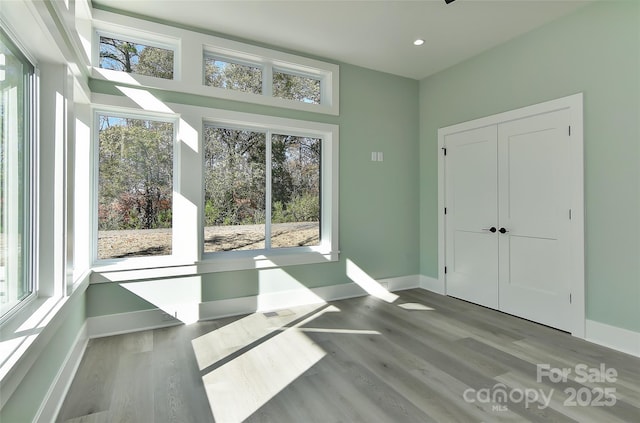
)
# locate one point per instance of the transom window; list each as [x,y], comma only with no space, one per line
[296,87]
[231,75]
[16,129]
[127,50]
[133,57]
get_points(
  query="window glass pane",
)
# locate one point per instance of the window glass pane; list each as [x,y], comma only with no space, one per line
[127,56]
[15,72]
[293,87]
[232,76]
[234,183]
[295,191]
[135,187]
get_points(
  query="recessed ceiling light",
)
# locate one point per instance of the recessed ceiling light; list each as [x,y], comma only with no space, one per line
[418,42]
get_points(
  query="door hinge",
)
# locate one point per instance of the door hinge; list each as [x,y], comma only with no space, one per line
[569,130]
[570,216]
[445,270]
[444,150]
[445,210]
[569,298]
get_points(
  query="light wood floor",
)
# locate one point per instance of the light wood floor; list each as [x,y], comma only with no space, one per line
[422,358]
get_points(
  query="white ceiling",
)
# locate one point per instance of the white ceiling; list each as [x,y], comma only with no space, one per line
[375,34]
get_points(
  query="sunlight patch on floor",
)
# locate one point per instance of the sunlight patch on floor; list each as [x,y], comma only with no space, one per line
[415,306]
[240,386]
[341,331]
[217,345]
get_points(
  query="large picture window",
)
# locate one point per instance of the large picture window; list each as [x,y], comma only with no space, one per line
[262,190]
[16,75]
[135,186]
[209,190]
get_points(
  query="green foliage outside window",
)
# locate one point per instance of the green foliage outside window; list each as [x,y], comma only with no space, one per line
[130,57]
[135,183]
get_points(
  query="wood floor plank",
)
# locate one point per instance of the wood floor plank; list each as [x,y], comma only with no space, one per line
[431,390]
[179,394]
[391,405]
[438,393]
[90,391]
[424,357]
[99,417]
[132,399]
[308,399]
[558,400]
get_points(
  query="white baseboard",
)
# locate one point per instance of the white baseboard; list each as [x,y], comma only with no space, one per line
[432,284]
[134,321]
[155,318]
[620,339]
[400,283]
[227,308]
[58,390]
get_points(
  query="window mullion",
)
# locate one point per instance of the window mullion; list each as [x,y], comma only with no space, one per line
[267,227]
[267,80]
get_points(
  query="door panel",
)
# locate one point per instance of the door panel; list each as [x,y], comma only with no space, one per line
[534,207]
[472,200]
[534,264]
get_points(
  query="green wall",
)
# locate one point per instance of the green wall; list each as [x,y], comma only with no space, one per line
[25,401]
[595,51]
[379,201]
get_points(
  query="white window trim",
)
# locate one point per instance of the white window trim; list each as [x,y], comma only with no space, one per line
[329,135]
[131,262]
[189,259]
[190,49]
[31,257]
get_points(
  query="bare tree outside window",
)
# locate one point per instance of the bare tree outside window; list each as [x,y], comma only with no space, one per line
[295,192]
[233,76]
[135,187]
[236,189]
[130,57]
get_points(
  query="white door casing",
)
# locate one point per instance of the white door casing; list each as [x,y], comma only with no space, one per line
[540,202]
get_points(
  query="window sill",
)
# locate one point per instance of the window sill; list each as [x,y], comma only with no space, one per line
[112,273]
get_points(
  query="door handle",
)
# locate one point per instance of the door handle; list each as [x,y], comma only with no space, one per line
[503,231]
[491,229]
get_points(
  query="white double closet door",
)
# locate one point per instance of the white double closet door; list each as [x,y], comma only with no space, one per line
[507,220]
